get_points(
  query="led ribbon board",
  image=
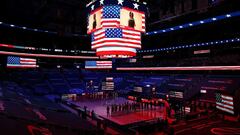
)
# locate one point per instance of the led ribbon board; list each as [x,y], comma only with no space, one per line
[115,27]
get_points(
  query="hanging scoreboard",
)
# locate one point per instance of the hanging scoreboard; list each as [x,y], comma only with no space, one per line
[115,27]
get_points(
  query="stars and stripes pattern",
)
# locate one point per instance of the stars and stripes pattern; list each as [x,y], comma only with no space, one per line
[98,64]
[224,103]
[113,40]
[116,37]
[110,16]
[19,62]
[175,94]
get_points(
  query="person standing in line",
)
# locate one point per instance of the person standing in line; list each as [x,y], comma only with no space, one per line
[108,111]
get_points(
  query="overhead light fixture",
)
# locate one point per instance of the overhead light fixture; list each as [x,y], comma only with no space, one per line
[228,15]
[214,19]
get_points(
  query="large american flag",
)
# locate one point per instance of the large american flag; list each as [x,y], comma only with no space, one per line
[116,37]
[19,62]
[98,64]
[224,103]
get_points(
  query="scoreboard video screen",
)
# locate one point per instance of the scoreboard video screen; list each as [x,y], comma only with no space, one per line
[116,17]
[94,21]
[132,19]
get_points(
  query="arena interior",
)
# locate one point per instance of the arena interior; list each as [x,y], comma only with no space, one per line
[119,67]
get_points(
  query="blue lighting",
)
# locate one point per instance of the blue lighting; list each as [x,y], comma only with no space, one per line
[214,19]
[218,42]
[196,23]
[32,29]
[228,15]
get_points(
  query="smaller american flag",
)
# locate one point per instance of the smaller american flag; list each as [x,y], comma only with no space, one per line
[98,64]
[224,103]
[176,94]
[18,62]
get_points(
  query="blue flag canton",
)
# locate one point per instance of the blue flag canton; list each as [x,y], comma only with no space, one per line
[114,33]
[111,11]
[91,63]
[92,37]
[13,60]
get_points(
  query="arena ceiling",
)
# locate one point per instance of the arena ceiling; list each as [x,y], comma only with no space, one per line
[68,16]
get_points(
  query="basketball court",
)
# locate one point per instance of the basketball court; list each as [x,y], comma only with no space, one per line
[121,118]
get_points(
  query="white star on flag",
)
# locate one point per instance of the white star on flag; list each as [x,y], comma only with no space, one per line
[92,7]
[135,6]
[120,2]
[101,2]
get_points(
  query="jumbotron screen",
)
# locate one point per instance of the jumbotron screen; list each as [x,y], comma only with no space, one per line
[116,17]
[132,19]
